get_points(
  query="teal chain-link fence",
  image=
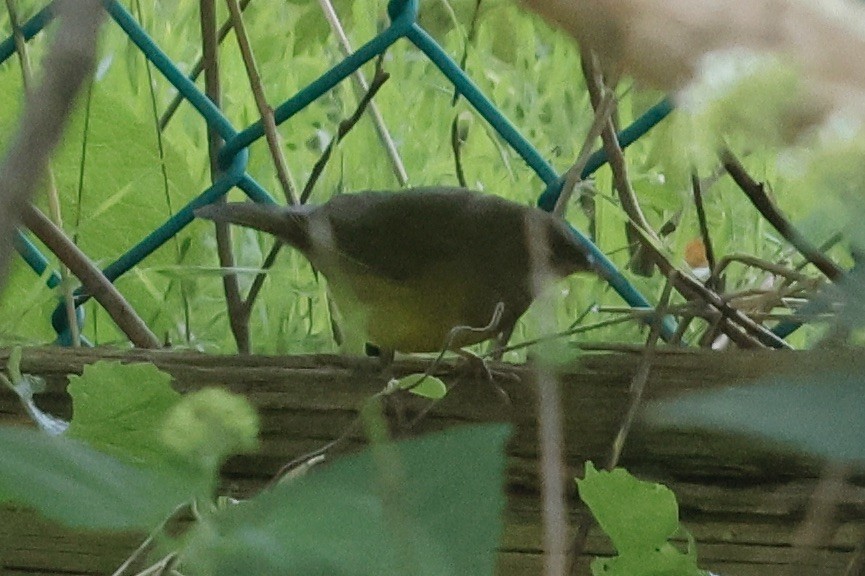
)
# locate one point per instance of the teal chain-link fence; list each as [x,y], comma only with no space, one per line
[233,156]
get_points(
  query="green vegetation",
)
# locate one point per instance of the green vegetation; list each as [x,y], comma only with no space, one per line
[134,454]
[426,506]
[119,176]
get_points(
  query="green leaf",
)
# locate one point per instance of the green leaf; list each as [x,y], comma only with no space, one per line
[422,385]
[83,488]
[639,517]
[635,514]
[429,506]
[120,409]
[666,560]
[821,412]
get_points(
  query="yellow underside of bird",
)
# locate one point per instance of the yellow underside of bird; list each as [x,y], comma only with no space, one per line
[415,315]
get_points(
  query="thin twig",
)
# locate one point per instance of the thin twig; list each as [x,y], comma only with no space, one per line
[163,567]
[754,334]
[492,325]
[640,264]
[238,317]
[458,139]
[96,284]
[361,87]
[145,544]
[696,185]
[682,327]
[458,135]
[699,308]
[824,247]
[315,455]
[638,383]
[706,183]
[258,281]
[756,193]
[635,394]
[344,127]
[197,68]
[264,109]
[763,334]
[69,62]
[562,334]
[574,174]
[319,453]
[754,262]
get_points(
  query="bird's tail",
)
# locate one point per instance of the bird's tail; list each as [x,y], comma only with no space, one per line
[286,223]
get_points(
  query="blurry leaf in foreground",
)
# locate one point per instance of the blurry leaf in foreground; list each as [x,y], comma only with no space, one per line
[428,506]
[849,291]
[822,413]
[209,425]
[68,481]
[664,42]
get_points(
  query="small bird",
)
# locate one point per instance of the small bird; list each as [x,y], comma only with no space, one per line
[406,268]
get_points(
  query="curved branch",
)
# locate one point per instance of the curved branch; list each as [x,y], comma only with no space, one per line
[93,280]
[757,195]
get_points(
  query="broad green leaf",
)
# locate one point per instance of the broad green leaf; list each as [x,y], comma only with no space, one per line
[635,514]
[429,506]
[120,409]
[821,412]
[639,517]
[422,385]
[68,481]
[666,560]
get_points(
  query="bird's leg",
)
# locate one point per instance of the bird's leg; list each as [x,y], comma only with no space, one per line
[391,403]
[501,342]
[476,365]
[385,355]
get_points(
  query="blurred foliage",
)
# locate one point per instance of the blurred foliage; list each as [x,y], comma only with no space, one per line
[73,483]
[427,506]
[430,505]
[818,412]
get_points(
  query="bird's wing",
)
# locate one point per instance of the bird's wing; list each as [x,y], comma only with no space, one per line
[400,236]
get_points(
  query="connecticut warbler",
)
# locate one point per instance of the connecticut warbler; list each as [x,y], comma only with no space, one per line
[407,267]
